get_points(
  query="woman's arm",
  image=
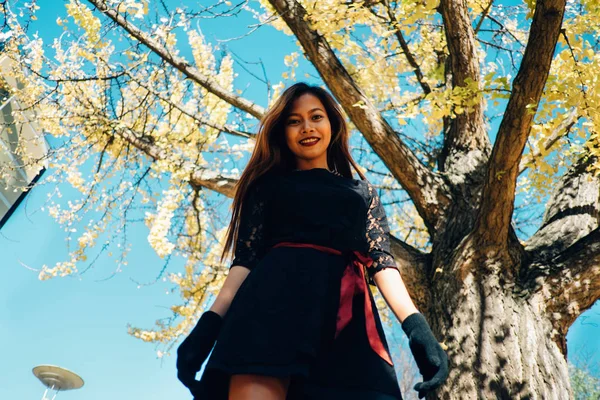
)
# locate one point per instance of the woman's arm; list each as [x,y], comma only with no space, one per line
[250,245]
[429,355]
[384,273]
[232,283]
[392,288]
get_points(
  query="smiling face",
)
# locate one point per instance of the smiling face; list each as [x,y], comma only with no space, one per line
[307,118]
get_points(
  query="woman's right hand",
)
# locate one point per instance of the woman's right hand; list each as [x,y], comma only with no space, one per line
[194,350]
[431,359]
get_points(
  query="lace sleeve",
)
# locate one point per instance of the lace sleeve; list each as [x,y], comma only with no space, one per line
[377,234]
[249,247]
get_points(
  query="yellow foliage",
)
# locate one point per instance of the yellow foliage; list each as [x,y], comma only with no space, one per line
[84,17]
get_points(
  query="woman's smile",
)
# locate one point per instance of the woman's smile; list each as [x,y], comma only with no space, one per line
[309,141]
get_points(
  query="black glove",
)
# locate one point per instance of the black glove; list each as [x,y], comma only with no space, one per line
[429,355]
[194,350]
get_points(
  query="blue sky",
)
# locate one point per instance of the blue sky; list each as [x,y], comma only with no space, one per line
[80,323]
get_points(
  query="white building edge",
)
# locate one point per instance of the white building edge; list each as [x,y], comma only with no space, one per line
[11,134]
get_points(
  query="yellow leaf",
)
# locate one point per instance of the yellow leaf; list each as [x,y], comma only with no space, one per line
[387,33]
[590,53]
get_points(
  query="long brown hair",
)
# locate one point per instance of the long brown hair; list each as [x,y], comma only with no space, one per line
[271,153]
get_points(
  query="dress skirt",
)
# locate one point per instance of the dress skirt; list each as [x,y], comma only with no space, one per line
[282,323]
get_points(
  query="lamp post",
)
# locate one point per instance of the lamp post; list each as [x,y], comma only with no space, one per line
[57,379]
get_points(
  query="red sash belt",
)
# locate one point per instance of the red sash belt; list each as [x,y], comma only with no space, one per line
[353,283]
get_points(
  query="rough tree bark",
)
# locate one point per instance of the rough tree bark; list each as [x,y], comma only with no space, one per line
[501,306]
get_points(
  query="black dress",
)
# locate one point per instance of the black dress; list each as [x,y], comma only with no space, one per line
[282,320]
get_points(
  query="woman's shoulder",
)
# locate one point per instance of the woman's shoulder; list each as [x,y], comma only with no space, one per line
[362,186]
[367,189]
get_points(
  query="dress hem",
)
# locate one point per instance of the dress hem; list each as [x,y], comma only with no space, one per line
[281,370]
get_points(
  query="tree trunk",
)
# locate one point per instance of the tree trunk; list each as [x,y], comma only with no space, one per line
[497,309]
[499,344]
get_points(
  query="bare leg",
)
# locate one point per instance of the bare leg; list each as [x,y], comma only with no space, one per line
[257,387]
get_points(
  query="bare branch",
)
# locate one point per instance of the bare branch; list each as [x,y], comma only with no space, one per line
[505,29]
[561,131]
[181,108]
[409,56]
[483,15]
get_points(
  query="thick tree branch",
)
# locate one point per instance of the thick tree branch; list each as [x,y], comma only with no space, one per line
[212,180]
[200,177]
[425,188]
[568,284]
[179,62]
[461,41]
[413,265]
[466,133]
[571,213]
[573,282]
[494,217]
[565,251]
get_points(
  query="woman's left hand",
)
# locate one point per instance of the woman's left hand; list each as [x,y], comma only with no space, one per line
[194,350]
[431,359]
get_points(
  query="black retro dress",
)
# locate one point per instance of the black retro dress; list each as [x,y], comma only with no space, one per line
[282,321]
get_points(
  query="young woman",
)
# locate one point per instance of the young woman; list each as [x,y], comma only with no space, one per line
[295,318]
